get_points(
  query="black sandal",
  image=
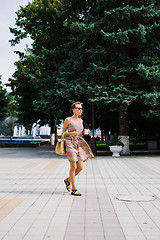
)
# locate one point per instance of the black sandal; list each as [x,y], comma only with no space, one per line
[68,185]
[75,192]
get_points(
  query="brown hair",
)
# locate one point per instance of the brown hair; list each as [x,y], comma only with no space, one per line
[74,106]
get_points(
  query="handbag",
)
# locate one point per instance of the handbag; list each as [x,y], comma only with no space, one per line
[61,146]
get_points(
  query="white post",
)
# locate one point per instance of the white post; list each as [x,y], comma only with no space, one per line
[52,139]
[125,141]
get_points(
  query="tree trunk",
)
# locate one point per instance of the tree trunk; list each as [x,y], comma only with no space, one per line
[124,130]
[93,141]
[101,134]
[53,133]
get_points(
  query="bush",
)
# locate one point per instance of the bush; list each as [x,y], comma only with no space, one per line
[116,141]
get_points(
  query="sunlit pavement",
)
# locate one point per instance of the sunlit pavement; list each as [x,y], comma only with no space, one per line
[35,205]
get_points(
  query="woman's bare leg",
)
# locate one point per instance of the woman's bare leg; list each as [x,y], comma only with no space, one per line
[79,168]
[72,174]
[75,168]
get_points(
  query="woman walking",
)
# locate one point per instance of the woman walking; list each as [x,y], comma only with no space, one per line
[77,149]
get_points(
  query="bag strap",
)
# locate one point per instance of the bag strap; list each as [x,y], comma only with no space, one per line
[62,135]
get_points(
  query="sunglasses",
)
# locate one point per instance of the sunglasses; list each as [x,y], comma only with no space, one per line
[79,109]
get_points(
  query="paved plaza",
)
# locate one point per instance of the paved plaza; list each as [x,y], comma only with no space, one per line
[34,204]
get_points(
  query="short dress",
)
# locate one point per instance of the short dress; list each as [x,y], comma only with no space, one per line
[77,148]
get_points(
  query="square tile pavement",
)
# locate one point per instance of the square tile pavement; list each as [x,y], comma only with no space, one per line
[33,179]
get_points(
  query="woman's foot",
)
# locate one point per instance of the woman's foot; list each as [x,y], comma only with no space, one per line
[68,185]
[75,192]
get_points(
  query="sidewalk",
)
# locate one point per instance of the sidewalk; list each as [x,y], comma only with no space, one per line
[34,204]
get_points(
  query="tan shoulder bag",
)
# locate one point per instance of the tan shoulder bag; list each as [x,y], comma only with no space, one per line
[61,146]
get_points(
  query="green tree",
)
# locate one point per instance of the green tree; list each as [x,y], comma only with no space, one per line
[34,81]
[105,52]
[144,123]
[4,106]
[114,56]
[3,101]
[24,89]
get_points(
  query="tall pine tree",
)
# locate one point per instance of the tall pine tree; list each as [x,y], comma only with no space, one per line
[105,52]
[114,56]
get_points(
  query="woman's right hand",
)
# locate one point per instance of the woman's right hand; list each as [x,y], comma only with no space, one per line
[74,133]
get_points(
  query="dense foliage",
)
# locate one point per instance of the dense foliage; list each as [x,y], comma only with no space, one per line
[4,108]
[34,81]
[105,52]
[3,101]
[114,54]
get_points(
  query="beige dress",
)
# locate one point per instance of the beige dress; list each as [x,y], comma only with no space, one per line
[77,148]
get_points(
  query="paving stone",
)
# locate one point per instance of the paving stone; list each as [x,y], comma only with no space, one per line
[42,209]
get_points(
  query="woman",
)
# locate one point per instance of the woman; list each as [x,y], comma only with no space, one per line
[77,149]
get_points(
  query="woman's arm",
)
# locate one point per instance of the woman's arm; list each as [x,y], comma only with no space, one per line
[83,128]
[65,126]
